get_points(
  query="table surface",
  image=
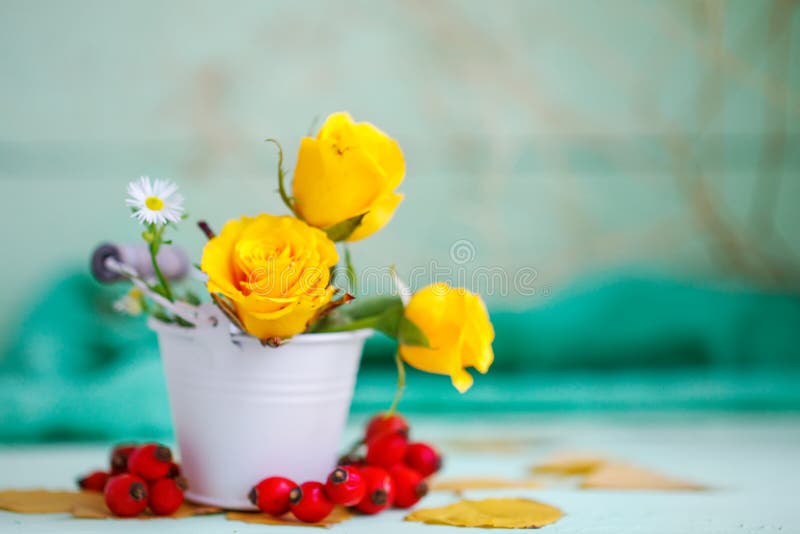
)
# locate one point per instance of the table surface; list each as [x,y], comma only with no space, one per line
[750,460]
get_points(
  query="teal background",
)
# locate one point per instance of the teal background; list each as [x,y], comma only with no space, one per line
[639,158]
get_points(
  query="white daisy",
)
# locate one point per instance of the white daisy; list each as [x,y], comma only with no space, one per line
[158,202]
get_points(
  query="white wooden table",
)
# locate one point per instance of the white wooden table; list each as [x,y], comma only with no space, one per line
[752,461]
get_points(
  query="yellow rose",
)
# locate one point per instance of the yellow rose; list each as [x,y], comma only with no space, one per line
[348,169]
[459,333]
[275,270]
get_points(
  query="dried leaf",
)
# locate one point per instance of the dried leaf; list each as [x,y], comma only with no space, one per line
[627,477]
[338,515]
[502,445]
[40,501]
[99,510]
[83,504]
[461,484]
[490,513]
[571,464]
[228,310]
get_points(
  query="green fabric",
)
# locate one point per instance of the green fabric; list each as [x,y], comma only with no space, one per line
[76,369]
[647,323]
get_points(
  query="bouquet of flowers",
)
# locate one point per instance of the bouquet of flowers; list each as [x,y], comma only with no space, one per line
[272,275]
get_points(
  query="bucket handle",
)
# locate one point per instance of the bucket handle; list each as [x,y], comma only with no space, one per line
[197,315]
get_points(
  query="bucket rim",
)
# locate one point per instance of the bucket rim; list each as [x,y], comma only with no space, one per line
[299,339]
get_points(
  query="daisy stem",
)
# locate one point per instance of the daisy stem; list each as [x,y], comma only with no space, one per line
[155,244]
[401,383]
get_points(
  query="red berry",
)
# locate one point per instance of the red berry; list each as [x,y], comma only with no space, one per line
[151,461]
[126,495]
[271,495]
[423,458]
[386,424]
[380,490]
[95,481]
[309,503]
[409,486]
[119,458]
[166,496]
[386,450]
[346,486]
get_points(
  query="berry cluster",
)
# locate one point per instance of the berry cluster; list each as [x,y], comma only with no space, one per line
[140,476]
[392,473]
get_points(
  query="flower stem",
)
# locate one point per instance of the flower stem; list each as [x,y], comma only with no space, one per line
[155,244]
[353,450]
[206,229]
[401,384]
[281,178]
[350,270]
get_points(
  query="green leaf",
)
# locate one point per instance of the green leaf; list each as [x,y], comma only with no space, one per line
[367,322]
[371,306]
[161,314]
[344,229]
[183,322]
[384,313]
[335,318]
[389,321]
[408,333]
[379,313]
[192,298]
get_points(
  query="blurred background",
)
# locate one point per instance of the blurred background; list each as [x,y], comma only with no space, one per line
[638,161]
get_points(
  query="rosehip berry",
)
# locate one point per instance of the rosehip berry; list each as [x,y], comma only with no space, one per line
[409,486]
[423,459]
[95,481]
[119,458]
[309,503]
[166,496]
[386,424]
[346,486]
[151,461]
[380,490]
[126,495]
[271,495]
[386,450]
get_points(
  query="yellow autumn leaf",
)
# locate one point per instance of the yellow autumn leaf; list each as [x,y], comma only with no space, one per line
[491,445]
[97,509]
[620,476]
[338,515]
[570,464]
[39,501]
[599,472]
[83,504]
[490,513]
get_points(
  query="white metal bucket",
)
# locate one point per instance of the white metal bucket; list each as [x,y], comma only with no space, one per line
[243,412]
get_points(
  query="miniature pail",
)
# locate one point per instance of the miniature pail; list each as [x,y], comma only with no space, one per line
[243,412]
